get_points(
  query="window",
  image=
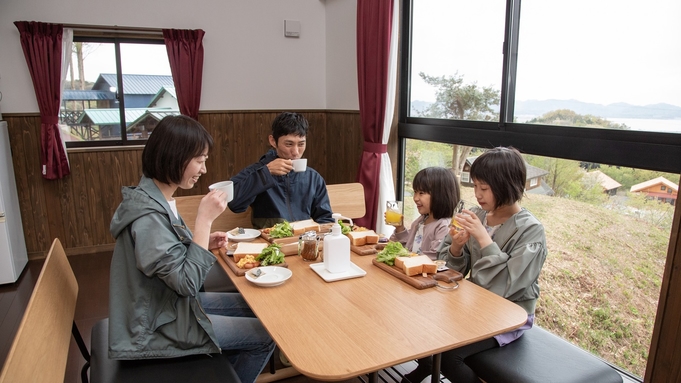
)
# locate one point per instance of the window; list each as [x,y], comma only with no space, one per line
[663,187]
[116,91]
[533,182]
[465,177]
[625,120]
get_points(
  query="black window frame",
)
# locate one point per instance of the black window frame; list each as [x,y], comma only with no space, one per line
[117,41]
[613,147]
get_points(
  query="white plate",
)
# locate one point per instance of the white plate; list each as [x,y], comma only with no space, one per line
[272,276]
[248,235]
[353,272]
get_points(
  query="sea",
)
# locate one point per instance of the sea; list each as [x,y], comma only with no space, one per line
[638,124]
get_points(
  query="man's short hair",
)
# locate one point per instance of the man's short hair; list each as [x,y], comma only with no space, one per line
[289,123]
[175,141]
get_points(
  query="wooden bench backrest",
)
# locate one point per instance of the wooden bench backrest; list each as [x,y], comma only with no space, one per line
[41,345]
[347,199]
[188,206]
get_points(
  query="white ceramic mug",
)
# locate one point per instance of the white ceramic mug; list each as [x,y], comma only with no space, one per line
[299,165]
[226,187]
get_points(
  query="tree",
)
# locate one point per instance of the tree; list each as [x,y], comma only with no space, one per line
[459,101]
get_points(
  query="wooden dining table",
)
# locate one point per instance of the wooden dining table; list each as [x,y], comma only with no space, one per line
[338,330]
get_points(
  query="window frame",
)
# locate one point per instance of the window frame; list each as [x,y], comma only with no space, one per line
[116,37]
[585,144]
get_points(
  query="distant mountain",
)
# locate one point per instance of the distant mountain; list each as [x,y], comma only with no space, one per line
[617,110]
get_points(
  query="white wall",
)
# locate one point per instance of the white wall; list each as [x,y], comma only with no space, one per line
[248,63]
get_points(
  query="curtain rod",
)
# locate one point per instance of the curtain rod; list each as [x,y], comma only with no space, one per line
[111,28]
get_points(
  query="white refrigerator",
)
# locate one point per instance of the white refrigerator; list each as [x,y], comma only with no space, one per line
[13,257]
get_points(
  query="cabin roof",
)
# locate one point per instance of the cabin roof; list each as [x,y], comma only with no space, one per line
[653,182]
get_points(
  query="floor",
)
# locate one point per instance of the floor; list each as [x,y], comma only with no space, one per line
[92,273]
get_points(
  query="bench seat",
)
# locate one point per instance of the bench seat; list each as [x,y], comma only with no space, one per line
[204,368]
[539,356]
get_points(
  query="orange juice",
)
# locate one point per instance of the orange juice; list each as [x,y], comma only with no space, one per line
[393,218]
[456,224]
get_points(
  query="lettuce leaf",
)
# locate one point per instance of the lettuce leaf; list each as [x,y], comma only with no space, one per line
[281,230]
[271,255]
[391,251]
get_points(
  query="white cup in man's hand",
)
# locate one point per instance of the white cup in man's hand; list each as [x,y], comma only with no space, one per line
[299,165]
[226,187]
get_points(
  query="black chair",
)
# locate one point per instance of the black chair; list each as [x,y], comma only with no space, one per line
[198,368]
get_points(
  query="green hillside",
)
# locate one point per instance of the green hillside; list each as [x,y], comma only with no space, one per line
[601,280]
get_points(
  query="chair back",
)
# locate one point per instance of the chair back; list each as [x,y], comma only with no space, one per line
[347,199]
[41,345]
[188,206]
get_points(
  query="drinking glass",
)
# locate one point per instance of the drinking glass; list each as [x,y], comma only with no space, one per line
[459,210]
[393,213]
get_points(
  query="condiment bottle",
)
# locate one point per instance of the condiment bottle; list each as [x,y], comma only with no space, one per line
[336,249]
[307,246]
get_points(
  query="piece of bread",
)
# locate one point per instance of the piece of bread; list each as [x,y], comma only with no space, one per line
[361,238]
[300,227]
[244,248]
[416,265]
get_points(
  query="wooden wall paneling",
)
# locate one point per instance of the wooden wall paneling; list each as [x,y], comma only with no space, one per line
[73,199]
[93,199]
[344,145]
[316,150]
[108,196]
[31,201]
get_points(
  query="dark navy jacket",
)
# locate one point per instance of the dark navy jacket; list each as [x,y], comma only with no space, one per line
[292,197]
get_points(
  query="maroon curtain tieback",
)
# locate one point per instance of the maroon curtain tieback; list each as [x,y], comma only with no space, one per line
[49,120]
[375,147]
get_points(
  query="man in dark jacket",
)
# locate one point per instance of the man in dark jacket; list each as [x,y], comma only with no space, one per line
[270,186]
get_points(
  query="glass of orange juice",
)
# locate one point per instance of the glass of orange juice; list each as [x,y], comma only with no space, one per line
[393,213]
[459,210]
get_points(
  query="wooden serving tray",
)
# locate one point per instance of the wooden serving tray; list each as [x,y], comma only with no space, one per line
[419,281]
[364,249]
[239,271]
[280,241]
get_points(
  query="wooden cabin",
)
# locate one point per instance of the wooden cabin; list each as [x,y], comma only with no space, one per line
[659,188]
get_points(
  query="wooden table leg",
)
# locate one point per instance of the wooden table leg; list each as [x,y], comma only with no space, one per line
[435,377]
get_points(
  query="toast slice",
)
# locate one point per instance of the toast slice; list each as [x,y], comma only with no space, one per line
[361,238]
[244,248]
[416,265]
[300,227]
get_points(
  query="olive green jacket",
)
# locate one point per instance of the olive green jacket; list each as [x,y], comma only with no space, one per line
[510,266]
[156,273]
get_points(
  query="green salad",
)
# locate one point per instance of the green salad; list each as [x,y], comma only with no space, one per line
[344,228]
[281,230]
[391,251]
[271,255]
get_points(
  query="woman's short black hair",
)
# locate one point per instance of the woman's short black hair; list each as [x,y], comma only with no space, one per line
[504,170]
[289,123]
[174,142]
[443,188]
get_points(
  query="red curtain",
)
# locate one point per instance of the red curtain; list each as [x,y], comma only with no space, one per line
[42,45]
[374,24]
[185,53]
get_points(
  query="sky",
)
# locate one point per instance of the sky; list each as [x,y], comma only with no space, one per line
[599,51]
[136,59]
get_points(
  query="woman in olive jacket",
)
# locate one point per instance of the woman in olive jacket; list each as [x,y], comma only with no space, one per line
[159,265]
